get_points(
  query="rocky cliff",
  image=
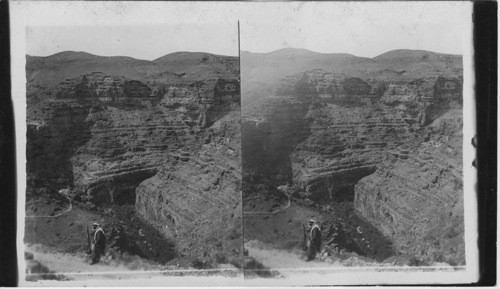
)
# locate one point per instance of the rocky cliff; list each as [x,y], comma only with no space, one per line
[416,195]
[104,125]
[365,131]
[196,197]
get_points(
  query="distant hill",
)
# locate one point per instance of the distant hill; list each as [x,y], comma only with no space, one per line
[420,61]
[261,71]
[81,57]
[191,56]
[183,67]
[414,55]
[276,64]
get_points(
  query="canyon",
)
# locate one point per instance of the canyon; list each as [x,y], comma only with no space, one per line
[369,147]
[151,149]
[180,170]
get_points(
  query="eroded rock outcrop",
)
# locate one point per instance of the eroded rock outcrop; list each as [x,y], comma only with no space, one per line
[417,196]
[113,131]
[195,197]
[105,88]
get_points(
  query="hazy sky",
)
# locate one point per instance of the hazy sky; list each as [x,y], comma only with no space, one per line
[143,42]
[153,29]
[360,28]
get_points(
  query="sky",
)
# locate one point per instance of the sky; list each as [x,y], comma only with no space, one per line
[146,42]
[153,29]
[364,29]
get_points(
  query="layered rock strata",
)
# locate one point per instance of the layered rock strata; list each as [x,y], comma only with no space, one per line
[113,132]
[417,196]
[196,197]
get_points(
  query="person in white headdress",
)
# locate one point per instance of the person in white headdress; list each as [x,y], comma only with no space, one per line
[314,241]
[98,243]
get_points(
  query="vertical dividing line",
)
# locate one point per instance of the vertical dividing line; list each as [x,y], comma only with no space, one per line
[241,152]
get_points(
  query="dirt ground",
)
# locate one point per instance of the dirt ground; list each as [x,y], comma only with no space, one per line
[274,236]
[74,268]
[290,268]
[56,246]
[283,224]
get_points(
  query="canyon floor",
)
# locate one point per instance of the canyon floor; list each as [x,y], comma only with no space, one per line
[275,238]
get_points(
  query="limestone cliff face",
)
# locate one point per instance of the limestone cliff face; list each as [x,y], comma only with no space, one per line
[51,142]
[340,127]
[416,196]
[195,198]
[107,147]
[268,140]
[370,138]
[352,129]
[105,88]
[105,132]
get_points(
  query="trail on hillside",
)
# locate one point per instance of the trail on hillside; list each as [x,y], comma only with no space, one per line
[70,207]
[272,212]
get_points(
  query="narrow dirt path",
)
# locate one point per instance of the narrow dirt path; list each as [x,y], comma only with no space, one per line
[70,207]
[273,212]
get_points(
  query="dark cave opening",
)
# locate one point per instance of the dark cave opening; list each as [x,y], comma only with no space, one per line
[344,194]
[125,197]
[119,189]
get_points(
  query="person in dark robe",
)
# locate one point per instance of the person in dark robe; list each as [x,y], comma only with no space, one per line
[98,243]
[314,241]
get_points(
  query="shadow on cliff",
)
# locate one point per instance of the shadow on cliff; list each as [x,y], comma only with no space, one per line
[344,229]
[49,148]
[266,148]
[137,237]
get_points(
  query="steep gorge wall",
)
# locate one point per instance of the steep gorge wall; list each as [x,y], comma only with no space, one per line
[416,196]
[195,198]
[51,143]
[109,139]
[105,134]
[268,140]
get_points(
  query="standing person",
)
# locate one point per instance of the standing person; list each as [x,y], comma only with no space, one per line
[314,241]
[98,244]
